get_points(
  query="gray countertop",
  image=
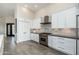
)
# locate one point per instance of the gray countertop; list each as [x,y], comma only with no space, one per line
[65,36]
[60,35]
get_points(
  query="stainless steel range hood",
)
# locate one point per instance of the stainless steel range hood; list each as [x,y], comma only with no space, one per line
[46,19]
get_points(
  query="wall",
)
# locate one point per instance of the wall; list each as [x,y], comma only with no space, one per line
[3,21]
[2,25]
[53,8]
[7,9]
[23,13]
[9,19]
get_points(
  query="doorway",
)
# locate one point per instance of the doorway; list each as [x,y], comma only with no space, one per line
[10,29]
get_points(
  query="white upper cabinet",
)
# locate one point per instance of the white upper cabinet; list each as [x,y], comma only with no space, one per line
[58,20]
[64,19]
[70,16]
[61,20]
[36,23]
[54,21]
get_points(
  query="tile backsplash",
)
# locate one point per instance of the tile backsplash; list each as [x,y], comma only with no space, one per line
[65,31]
[35,30]
[70,32]
[46,28]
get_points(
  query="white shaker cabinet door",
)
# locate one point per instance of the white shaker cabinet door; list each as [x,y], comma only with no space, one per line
[54,21]
[70,46]
[64,19]
[70,15]
[23,31]
[35,37]
[61,20]
[50,41]
[58,20]
[31,36]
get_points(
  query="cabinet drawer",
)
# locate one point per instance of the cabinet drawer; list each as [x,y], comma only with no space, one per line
[65,45]
[70,50]
[59,48]
[58,41]
[69,40]
[70,46]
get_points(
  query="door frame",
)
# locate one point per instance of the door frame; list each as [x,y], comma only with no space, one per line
[10,29]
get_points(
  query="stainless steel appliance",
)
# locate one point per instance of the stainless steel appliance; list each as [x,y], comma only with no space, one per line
[43,38]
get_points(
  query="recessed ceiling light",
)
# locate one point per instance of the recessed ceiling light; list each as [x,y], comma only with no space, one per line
[35,6]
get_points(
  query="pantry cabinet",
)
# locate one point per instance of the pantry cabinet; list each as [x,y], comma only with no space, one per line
[35,37]
[65,45]
[64,19]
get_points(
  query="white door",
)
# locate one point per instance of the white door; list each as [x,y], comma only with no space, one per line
[23,31]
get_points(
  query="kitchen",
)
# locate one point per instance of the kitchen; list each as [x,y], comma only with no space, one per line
[56,29]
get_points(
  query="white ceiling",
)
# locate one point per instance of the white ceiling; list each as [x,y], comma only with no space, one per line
[7,9]
[38,6]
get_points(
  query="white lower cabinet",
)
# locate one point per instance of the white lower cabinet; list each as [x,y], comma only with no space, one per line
[35,37]
[65,45]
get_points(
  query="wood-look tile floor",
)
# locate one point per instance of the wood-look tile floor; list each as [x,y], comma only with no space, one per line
[27,48]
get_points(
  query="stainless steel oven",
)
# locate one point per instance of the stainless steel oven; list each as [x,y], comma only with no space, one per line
[43,39]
